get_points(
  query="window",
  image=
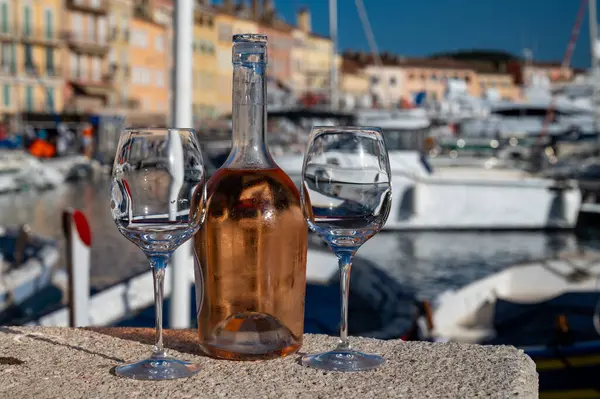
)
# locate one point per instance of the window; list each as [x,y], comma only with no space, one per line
[139,39]
[29,98]
[225,32]
[49,23]
[112,26]
[112,56]
[102,30]
[77,25]
[6,95]
[74,66]
[5,16]
[160,79]
[146,103]
[124,53]
[159,43]
[374,80]
[83,67]
[27,20]
[96,69]
[50,99]
[95,3]
[28,58]
[50,61]
[434,76]
[90,26]
[393,81]
[7,58]
[124,26]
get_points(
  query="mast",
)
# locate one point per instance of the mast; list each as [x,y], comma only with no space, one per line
[333,92]
[181,260]
[595,75]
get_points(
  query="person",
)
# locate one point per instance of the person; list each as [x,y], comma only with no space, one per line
[87,137]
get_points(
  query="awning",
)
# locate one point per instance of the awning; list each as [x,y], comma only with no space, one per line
[94,90]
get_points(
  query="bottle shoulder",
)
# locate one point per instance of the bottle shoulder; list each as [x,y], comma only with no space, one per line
[249,181]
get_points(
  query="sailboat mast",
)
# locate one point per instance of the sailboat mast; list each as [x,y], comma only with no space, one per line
[595,75]
[333,93]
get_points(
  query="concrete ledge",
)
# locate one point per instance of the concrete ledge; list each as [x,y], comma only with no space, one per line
[74,363]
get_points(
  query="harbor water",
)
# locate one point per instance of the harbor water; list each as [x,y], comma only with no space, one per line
[421,264]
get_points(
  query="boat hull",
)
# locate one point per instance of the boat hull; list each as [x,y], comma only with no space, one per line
[464,204]
[568,372]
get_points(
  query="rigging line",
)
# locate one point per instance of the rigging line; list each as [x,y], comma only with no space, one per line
[362,13]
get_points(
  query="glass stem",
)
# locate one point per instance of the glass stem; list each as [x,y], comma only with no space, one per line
[345,263]
[159,265]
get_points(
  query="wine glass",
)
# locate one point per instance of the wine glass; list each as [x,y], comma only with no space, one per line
[346,199]
[157,201]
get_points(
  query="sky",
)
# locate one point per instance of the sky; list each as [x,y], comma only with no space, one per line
[422,27]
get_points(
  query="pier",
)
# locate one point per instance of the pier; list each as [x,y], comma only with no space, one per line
[74,363]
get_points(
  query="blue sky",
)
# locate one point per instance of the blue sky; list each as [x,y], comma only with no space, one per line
[418,28]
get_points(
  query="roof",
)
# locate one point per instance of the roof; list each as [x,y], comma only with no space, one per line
[361,60]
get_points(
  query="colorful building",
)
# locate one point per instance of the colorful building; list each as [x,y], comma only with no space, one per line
[89,83]
[280,42]
[119,20]
[353,84]
[205,66]
[30,78]
[150,66]
[230,20]
[317,64]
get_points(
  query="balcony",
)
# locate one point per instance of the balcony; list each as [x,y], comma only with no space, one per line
[8,33]
[40,37]
[91,88]
[83,44]
[8,69]
[99,7]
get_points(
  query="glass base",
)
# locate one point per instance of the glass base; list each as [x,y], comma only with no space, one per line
[164,368]
[343,360]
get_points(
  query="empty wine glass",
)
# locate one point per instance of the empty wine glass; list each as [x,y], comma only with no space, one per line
[346,199]
[157,202]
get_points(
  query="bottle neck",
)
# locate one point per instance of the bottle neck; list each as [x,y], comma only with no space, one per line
[249,113]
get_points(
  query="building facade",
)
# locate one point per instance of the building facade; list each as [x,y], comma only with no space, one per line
[498,86]
[317,64]
[280,43]
[30,77]
[230,20]
[150,66]
[89,85]
[119,20]
[205,67]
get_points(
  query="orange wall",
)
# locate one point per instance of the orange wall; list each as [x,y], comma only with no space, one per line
[149,77]
[280,53]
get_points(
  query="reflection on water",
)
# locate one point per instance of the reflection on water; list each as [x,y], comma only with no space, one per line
[426,262]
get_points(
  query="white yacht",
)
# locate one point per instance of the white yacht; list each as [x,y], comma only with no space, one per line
[20,170]
[459,197]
